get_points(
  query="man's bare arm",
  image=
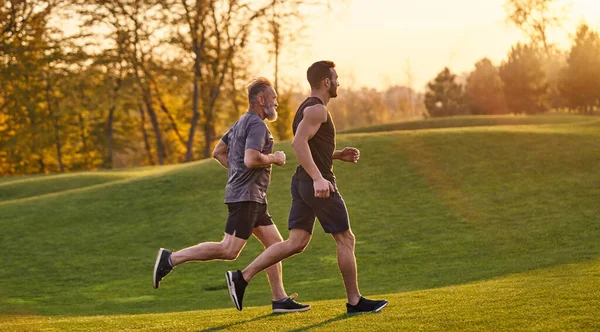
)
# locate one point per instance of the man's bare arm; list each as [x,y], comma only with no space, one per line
[348,154]
[220,153]
[314,116]
[256,159]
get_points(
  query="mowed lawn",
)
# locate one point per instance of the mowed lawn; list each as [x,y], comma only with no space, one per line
[477,228]
[474,121]
[19,187]
[563,298]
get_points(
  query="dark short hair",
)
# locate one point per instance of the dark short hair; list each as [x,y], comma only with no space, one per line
[319,71]
[257,86]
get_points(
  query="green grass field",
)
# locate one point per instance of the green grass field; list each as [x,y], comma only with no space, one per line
[473,121]
[479,228]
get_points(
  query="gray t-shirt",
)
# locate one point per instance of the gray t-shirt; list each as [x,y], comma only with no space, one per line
[247,184]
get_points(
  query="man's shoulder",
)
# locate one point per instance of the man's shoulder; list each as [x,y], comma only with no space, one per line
[317,112]
[245,121]
[250,117]
[254,121]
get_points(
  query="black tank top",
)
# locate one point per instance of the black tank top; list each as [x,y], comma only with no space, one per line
[322,144]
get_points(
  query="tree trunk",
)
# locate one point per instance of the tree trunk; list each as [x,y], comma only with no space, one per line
[236,105]
[277,67]
[110,121]
[145,85]
[198,39]
[160,147]
[208,138]
[277,41]
[34,148]
[163,107]
[146,141]
[209,126]
[42,165]
[84,139]
[54,124]
[58,145]
[109,136]
[189,153]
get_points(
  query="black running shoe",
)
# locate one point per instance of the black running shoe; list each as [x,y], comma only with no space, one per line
[237,286]
[289,305]
[162,267]
[366,305]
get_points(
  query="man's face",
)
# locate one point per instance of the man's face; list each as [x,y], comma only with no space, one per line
[270,104]
[333,83]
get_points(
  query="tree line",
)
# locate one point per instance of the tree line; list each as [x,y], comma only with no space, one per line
[100,84]
[535,77]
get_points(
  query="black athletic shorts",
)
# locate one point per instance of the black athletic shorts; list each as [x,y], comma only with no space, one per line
[331,211]
[245,216]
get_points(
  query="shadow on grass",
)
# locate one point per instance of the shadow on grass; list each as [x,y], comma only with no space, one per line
[226,326]
[305,328]
[323,323]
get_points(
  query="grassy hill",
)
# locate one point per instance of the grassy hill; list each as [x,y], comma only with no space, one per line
[460,228]
[14,188]
[474,121]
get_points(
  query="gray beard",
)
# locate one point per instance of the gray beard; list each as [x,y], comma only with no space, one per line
[270,113]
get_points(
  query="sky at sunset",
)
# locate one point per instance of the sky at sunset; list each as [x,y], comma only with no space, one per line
[376,42]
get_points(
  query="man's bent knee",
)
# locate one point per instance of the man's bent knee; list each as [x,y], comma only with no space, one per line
[266,245]
[231,248]
[299,243]
[273,239]
[230,254]
[345,239]
[298,247]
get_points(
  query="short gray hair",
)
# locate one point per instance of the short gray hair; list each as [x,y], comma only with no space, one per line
[257,86]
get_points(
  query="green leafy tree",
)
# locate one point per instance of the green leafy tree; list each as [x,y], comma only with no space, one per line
[444,96]
[485,89]
[580,83]
[525,86]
